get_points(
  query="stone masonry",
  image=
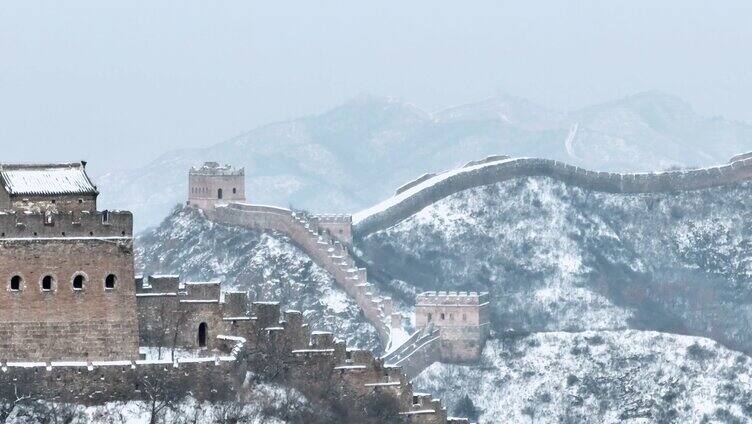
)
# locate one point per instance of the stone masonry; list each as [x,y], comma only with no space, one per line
[73,313]
[462,319]
[213,183]
[66,270]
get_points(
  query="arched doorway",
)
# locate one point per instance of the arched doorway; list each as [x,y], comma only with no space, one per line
[202,330]
[219,193]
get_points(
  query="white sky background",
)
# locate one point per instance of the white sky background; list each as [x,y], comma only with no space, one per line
[118,84]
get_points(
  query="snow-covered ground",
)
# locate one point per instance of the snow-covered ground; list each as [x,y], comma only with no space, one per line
[266,404]
[600,377]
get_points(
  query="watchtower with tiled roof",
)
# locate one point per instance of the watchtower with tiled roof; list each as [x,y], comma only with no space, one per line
[66,270]
[60,187]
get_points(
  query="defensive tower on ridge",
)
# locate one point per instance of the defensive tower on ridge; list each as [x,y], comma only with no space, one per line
[213,183]
[462,319]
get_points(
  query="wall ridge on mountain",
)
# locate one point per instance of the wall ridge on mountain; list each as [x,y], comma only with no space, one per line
[417,196]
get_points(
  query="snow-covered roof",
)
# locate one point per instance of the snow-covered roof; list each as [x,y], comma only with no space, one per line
[46,179]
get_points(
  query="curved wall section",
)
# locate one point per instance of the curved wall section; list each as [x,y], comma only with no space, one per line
[402,206]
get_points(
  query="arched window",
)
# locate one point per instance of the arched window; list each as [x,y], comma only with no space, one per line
[234,190]
[78,282]
[442,316]
[202,330]
[109,282]
[15,283]
[47,283]
[219,193]
[430,317]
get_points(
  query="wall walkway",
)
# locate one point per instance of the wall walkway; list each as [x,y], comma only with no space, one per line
[324,249]
[428,191]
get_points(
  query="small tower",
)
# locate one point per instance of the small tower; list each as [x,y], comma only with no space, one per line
[462,319]
[213,183]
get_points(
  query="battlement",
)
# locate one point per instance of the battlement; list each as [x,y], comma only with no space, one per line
[338,226]
[495,169]
[410,184]
[214,168]
[213,184]
[451,298]
[306,356]
[487,159]
[103,224]
[339,218]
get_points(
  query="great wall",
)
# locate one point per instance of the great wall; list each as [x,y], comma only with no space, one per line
[75,317]
[438,340]
[428,189]
[308,355]
[450,326]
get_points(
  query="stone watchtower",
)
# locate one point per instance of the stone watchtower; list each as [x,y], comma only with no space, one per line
[213,183]
[66,269]
[462,319]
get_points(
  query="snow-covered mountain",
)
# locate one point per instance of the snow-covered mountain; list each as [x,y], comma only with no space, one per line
[352,156]
[586,289]
[598,377]
[267,265]
[558,258]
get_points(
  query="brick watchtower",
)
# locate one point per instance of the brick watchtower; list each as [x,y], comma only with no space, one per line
[462,319]
[66,269]
[213,183]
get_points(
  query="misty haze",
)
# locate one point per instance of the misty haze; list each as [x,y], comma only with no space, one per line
[423,212]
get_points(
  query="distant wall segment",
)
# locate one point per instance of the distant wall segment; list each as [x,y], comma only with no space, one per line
[408,202]
[324,248]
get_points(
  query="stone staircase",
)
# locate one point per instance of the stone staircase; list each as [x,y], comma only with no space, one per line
[416,353]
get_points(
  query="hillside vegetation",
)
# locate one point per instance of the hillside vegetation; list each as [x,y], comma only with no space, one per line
[557,258]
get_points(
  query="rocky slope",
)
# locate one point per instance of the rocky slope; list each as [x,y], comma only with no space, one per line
[561,258]
[352,156]
[268,265]
[599,377]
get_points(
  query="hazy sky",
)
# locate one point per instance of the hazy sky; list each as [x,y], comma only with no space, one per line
[119,84]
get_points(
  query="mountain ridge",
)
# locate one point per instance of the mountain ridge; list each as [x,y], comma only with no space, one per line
[355,154]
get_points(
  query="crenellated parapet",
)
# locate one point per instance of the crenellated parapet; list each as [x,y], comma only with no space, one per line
[101,224]
[189,315]
[496,169]
[212,184]
[338,227]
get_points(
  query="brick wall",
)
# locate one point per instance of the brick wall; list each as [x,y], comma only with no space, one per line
[203,190]
[393,210]
[65,323]
[62,203]
[60,225]
[312,360]
[462,319]
[338,226]
[170,316]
